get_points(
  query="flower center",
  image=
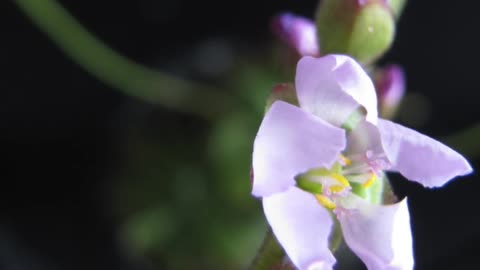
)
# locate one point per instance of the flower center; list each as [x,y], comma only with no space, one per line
[366,162]
[329,186]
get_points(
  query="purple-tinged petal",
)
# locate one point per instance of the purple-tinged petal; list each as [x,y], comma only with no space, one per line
[291,141]
[420,158]
[333,86]
[298,32]
[302,226]
[380,235]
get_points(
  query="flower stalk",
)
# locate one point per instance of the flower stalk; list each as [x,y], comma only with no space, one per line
[270,256]
[116,70]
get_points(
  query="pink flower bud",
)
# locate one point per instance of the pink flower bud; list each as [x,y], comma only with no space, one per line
[299,33]
[390,86]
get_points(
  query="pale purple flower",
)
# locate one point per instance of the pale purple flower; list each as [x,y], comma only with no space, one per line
[298,32]
[308,142]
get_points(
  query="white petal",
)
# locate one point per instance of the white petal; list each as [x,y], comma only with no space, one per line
[302,226]
[333,86]
[379,235]
[291,141]
[420,158]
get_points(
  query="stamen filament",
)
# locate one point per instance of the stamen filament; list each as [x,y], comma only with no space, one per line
[370,181]
[358,168]
[345,161]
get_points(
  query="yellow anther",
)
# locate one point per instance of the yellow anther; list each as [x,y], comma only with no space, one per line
[325,201]
[370,181]
[336,188]
[340,179]
[345,160]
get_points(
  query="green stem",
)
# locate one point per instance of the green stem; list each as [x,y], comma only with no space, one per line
[270,255]
[116,70]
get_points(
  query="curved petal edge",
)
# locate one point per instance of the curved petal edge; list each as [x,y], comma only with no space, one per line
[334,86]
[420,158]
[379,235]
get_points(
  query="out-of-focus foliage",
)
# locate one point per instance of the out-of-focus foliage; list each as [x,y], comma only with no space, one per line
[184,193]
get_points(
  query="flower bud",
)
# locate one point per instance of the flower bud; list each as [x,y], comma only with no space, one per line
[396,6]
[299,33]
[390,87]
[363,29]
[282,91]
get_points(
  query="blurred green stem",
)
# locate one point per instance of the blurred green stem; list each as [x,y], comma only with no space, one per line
[466,142]
[269,256]
[116,70]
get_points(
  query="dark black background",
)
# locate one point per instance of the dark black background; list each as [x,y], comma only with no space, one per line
[61,129]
